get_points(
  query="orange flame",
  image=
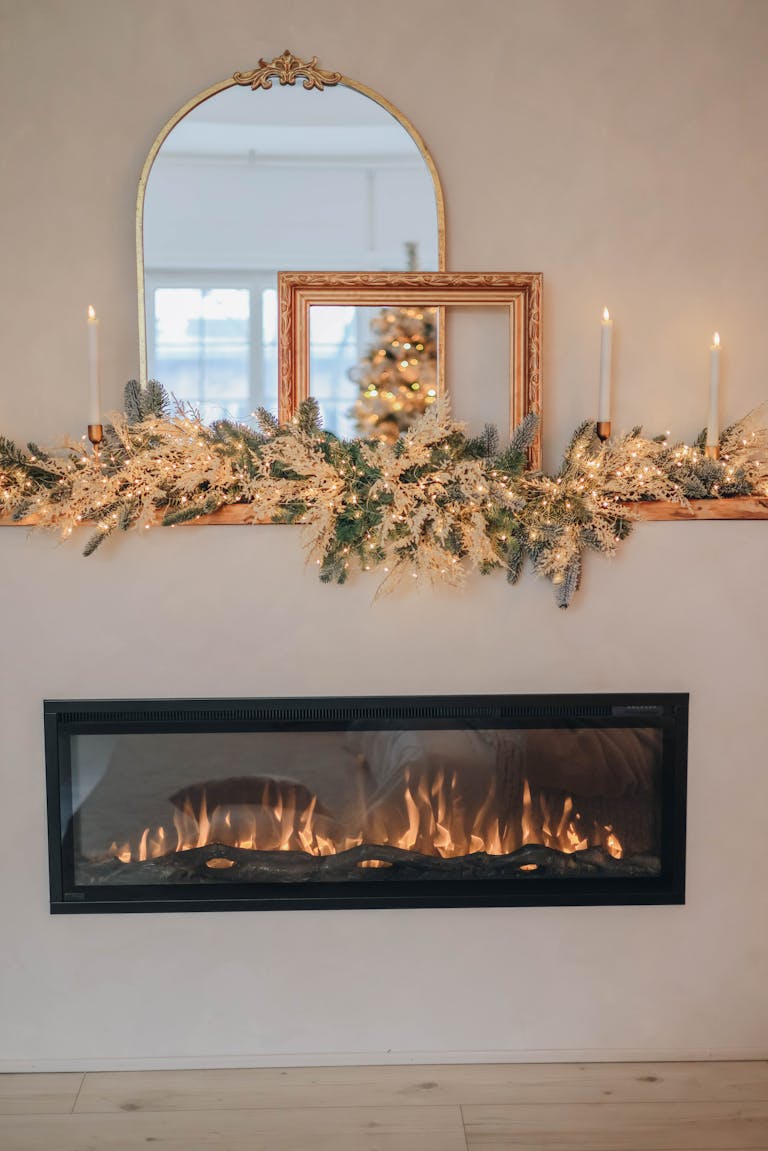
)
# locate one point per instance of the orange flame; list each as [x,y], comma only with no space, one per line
[432,818]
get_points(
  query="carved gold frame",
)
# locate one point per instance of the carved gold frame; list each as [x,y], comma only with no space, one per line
[286,69]
[519,292]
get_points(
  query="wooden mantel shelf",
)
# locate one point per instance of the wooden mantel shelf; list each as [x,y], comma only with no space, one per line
[737,508]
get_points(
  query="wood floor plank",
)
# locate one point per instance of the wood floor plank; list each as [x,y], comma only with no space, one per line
[39,1094]
[608,1126]
[422,1085]
[326,1129]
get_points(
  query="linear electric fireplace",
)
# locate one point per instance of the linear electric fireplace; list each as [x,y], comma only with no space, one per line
[182,805]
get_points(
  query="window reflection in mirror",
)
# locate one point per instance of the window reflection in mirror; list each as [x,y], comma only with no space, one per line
[251,182]
[373,371]
[215,346]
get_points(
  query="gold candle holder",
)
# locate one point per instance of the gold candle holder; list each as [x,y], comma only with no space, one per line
[96,435]
[712,451]
[603,429]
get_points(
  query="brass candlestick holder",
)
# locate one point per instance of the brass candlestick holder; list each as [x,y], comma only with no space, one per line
[96,435]
[712,451]
[603,429]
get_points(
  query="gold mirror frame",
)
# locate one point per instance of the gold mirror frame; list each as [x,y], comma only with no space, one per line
[519,292]
[286,69]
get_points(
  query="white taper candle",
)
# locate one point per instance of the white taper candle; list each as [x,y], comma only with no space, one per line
[606,341]
[94,396]
[713,423]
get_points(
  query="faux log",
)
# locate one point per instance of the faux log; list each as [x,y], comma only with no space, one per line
[247,866]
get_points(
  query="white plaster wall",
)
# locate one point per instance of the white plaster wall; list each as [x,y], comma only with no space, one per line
[620,149]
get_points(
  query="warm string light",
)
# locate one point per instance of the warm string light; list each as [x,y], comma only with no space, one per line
[425,508]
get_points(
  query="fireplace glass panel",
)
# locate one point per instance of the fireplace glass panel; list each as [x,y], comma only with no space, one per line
[368,804]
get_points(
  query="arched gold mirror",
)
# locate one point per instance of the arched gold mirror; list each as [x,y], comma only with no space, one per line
[287,167]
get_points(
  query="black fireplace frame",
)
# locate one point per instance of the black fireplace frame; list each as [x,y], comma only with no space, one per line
[668,711]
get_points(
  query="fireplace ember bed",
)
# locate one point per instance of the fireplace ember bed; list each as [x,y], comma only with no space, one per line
[434,801]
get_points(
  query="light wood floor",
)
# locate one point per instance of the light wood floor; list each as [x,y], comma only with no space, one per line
[559,1107]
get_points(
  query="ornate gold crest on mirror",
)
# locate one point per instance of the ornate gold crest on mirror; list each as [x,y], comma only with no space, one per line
[288,166]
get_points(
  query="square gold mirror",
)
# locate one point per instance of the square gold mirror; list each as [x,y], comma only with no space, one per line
[403,370]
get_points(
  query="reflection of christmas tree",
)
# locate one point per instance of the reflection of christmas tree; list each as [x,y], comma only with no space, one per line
[396,376]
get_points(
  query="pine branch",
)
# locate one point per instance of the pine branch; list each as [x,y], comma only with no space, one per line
[566,590]
[237,436]
[132,402]
[491,440]
[525,433]
[155,402]
[308,416]
[126,515]
[584,437]
[482,447]
[514,558]
[333,568]
[290,512]
[10,455]
[31,467]
[267,422]
[96,540]
[142,403]
[39,453]
[511,462]
[182,515]
[191,511]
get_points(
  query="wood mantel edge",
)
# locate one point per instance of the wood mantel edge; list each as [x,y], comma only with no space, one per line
[736,508]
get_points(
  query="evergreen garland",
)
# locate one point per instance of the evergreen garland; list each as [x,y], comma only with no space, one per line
[432,505]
